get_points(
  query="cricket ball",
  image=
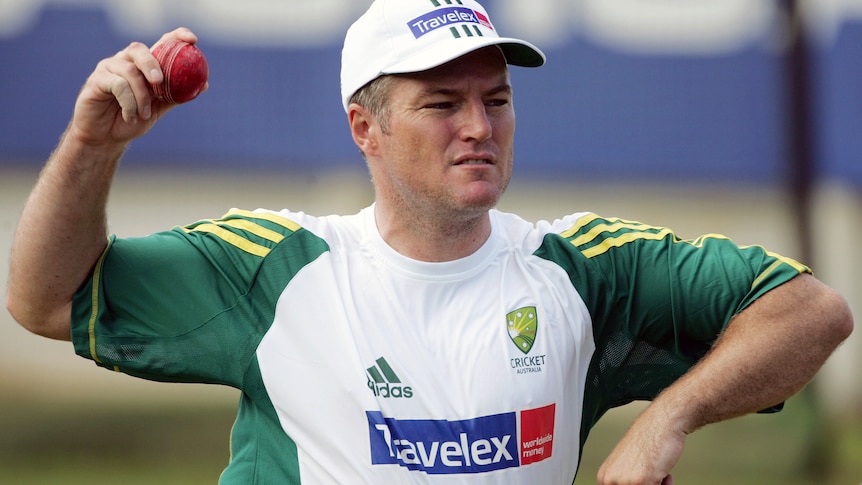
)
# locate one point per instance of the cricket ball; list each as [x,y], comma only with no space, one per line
[185,71]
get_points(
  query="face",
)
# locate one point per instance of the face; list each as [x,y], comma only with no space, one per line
[447,147]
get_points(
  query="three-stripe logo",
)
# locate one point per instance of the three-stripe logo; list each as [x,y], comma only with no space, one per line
[385,383]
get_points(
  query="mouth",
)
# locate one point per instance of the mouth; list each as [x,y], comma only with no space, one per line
[475,161]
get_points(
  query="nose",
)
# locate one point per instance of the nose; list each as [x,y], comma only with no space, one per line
[476,124]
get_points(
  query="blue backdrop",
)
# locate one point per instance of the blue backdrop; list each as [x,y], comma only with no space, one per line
[595,110]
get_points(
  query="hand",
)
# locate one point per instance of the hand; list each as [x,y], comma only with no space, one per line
[646,454]
[116,105]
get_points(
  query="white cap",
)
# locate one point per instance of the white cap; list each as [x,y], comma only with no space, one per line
[402,36]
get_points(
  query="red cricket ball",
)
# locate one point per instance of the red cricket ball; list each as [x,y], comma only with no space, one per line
[185,69]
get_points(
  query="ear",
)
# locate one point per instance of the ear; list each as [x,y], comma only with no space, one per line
[364,128]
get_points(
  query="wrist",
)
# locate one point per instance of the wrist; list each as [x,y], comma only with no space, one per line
[678,410]
[83,152]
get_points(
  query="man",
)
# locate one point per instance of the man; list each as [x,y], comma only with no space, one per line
[428,338]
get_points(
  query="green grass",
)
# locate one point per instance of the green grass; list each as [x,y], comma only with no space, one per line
[53,443]
[793,447]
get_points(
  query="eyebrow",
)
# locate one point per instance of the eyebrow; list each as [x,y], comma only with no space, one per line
[504,88]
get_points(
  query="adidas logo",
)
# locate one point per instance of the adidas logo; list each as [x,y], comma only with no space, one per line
[384,382]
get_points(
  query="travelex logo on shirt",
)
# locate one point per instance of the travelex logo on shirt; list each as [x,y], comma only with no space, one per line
[479,445]
[449,17]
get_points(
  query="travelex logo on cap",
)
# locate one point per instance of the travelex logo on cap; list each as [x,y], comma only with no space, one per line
[405,36]
[445,18]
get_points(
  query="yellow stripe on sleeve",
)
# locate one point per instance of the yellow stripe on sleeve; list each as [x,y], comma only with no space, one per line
[618,224]
[636,231]
[267,216]
[700,241]
[233,239]
[255,229]
[219,229]
[611,225]
[94,303]
[579,224]
[766,273]
[790,262]
[616,242]
[796,265]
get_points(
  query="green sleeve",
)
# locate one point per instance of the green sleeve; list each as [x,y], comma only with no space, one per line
[657,302]
[188,305]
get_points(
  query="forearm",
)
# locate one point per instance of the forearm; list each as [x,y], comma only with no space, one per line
[61,234]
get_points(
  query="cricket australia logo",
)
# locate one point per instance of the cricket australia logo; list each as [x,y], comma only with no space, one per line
[523,325]
[385,383]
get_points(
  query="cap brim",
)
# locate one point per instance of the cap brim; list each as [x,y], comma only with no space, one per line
[516,51]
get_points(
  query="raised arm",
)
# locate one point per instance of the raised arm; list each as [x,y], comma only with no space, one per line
[768,353]
[63,230]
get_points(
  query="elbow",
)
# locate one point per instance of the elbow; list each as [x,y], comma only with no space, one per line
[839,318]
[14,308]
[24,314]
[55,325]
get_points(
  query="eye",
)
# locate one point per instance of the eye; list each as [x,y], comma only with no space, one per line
[497,102]
[440,105]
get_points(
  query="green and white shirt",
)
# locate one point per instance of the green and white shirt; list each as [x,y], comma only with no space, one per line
[359,365]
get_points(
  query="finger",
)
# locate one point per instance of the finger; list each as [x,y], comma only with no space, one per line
[141,56]
[105,86]
[146,71]
[119,87]
[182,33]
[127,78]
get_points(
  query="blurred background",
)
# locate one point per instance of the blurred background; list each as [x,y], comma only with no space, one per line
[740,117]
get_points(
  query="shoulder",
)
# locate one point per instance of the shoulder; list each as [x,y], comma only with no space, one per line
[513,225]
[269,228]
